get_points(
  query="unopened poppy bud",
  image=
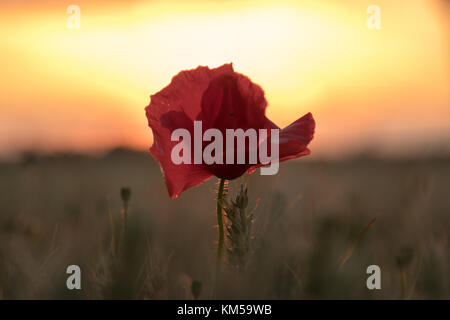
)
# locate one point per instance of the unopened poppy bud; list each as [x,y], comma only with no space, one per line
[405,256]
[125,194]
[196,289]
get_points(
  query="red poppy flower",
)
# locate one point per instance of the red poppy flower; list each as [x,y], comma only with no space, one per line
[221,99]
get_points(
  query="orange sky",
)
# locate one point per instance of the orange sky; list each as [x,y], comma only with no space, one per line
[86,89]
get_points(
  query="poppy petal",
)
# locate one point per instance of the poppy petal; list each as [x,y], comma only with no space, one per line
[184,93]
[177,106]
[232,101]
[295,138]
[177,177]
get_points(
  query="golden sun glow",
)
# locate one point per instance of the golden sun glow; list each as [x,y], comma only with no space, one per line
[86,88]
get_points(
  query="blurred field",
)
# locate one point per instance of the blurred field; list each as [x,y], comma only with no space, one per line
[62,210]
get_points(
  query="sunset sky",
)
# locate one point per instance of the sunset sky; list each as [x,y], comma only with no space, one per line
[85,89]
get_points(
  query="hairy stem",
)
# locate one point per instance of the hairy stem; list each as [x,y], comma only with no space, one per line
[220,193]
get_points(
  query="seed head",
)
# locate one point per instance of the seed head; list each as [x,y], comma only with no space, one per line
[238,226]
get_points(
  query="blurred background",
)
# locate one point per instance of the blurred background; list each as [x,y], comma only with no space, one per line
[73,133]
[85,89]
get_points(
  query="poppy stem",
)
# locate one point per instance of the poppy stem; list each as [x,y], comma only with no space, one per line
[220,193]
